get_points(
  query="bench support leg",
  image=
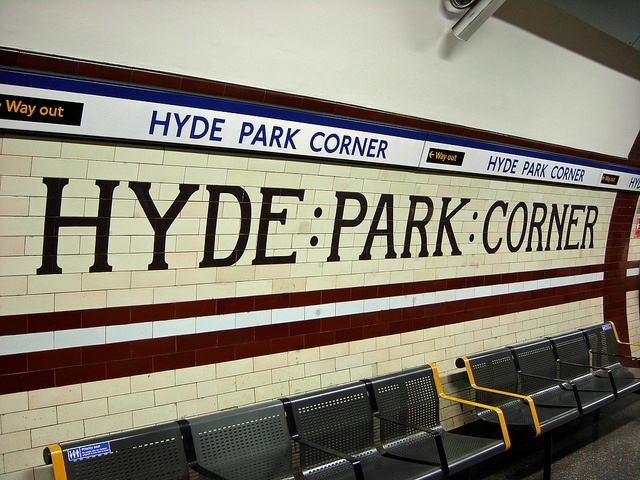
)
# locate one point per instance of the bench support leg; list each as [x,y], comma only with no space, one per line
[548,456]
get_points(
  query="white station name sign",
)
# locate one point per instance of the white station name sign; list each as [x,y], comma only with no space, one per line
[55,105]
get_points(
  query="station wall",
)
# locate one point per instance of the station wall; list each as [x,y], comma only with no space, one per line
[202,280]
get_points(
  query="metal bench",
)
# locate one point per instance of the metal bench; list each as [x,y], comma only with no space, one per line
[407,404]
[496,381]
[540,378]
[494,377]
[246,443]
[604,345]
[334,431]
[151,453]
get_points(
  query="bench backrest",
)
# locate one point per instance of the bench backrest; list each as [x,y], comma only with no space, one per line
[244,443]
[494,369]
[339,418]
[536,358]
[151,453]
[409,397]
[572,352]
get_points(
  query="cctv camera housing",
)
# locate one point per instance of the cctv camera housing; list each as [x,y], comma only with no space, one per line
[477,14]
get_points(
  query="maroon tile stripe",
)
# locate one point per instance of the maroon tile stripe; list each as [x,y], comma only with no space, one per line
[54,321]
[85,364]
[75,365]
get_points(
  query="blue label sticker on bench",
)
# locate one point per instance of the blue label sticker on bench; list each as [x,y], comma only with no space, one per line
[606,326]
[88,451]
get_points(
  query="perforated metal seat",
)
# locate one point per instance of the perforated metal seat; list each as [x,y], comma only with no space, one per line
[410,399]
[152,453]
[603,345]
[246,443]
[335,433]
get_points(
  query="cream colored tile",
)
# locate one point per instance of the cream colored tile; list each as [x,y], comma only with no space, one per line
[195,374]
[10,286]
[303,385]
[151,416]
[55,396]
[288,373]
[181,393]
[335,378]
[268,362]
[80,300]
[234,368]
[89,151]
[236,399]
[131,402]
[59,167]
[62,432]
[153,381]
[24,459]
[106,388]
[174,157]
[15,441]
[139,155]
[272,391]
[83,410]
[200,406]
[215,387]
[25,420]
[30,147]
[16,305]
[15,165]
[253,380]
[14,207]
[107,424]
[113,171]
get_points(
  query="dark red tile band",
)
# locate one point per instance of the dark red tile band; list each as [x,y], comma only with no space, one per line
[79,365]
[46,322]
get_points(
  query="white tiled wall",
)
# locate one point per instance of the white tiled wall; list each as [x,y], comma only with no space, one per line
[24,162]
[30,420]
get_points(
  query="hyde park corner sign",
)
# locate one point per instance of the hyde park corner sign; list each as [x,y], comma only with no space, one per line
[55,105]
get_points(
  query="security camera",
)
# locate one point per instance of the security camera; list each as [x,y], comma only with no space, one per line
[478,13]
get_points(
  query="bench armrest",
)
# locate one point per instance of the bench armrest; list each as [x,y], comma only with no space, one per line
[595,373]
[584,365]
[501,419]
[386,418]
[617,355]
[437,436]
[620,342]
[205,472]
[525,398]
[562,384]
[190,451]
[559,381]
[53,456]
[355,463]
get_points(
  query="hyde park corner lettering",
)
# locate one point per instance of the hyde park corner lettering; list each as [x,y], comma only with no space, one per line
[260,135]
[503,226]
